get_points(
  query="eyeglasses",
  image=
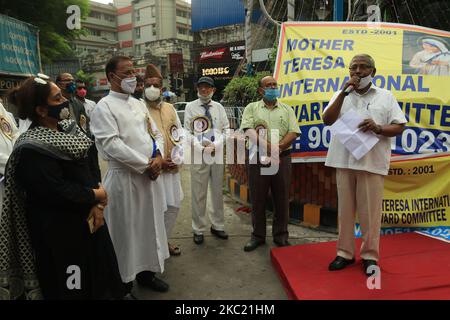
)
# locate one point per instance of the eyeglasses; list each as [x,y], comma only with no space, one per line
[361,66]
[41,78]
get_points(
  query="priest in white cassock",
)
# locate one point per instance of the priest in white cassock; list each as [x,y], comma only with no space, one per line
[168,123]
[9,134]
[129,140]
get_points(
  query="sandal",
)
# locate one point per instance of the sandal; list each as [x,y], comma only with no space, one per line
[174,250]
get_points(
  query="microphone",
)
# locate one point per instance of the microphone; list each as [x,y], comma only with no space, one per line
[349,89]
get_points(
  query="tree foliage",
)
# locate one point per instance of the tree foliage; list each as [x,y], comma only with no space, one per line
[243,90]
[50,17]
[87,78]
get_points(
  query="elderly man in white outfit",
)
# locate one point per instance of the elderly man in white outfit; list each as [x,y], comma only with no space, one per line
[206,123]
[9,134]
[129,140]
[168,123]
[360,181]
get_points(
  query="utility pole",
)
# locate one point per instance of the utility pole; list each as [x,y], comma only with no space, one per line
[338,10]
[248,37]
[290,10]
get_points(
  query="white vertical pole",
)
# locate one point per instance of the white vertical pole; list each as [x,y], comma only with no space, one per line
[290,10]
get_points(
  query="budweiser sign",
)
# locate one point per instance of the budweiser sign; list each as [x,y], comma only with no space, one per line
[218,54]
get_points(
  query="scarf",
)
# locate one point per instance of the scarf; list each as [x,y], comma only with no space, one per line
[18,277]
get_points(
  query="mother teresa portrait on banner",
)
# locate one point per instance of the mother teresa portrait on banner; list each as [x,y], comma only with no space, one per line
[434,59]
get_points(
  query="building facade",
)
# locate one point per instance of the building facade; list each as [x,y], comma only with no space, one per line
[101,33]
[147,30]
[220,48]
[151,30]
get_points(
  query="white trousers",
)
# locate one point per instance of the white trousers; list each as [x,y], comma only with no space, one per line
[362,192]
[201,176]
[170,216]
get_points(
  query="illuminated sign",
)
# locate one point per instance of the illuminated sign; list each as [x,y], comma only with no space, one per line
[218,54]
[215,71]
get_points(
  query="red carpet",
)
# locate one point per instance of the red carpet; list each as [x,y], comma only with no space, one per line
[413,266]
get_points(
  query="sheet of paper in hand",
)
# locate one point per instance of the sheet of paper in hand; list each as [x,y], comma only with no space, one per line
[346,130]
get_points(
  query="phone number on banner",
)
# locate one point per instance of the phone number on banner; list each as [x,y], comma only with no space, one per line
[315,141]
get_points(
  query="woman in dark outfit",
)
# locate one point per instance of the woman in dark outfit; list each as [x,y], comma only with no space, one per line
[47,247]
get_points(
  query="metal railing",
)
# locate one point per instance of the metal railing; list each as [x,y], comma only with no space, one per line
[234,115]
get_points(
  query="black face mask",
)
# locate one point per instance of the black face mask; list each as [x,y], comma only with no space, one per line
[59,111]
[138,94]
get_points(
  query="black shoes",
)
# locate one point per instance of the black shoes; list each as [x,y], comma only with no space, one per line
[340,263]
[219,233]
[129,296]
[198,238]
[252,245]
[283,243]
[366,264]
[149,280]
[158,285]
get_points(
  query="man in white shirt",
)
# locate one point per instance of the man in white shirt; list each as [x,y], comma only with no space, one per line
[9,134]
[129,140]
[360,182]
[206,122]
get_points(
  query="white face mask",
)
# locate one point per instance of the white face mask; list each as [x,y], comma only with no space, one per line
[128,85]
[152,93]
[364,82]
[205,99]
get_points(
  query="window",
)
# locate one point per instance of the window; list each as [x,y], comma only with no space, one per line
[137,32]
[95,14]
[137,15]
[109,17]
[153,12]
[94,32]
[154,30]
[184,14]
[182,31]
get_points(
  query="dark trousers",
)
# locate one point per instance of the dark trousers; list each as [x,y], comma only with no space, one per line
[279,184]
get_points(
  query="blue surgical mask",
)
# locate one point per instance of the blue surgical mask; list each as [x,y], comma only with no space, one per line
[271,94]
[71,87]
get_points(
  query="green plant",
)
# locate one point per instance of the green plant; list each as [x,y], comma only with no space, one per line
[273,57]
[87,78]
[243,90]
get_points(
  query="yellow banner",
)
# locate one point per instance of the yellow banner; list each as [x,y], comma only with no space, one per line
[417,193]
[411,61]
